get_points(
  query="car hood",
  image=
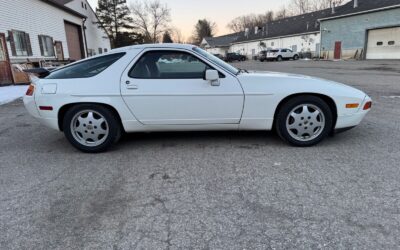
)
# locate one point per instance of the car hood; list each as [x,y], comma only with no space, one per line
[294,83]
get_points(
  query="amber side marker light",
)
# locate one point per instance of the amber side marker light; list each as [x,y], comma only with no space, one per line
[352,105]
[30,90]
[368,105]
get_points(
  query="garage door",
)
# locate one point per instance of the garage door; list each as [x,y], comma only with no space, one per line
[384,44]
[74,41]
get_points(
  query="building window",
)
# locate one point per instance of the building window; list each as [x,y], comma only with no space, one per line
[21,43]
[83,5]
[100,51]
[379,43]
[391,43]
[272,44]
[105,50]
[46,46]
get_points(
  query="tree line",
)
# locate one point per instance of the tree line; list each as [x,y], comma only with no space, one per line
[295,7]
[149,21]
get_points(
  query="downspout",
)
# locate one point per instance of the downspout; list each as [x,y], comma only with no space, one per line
[84,37]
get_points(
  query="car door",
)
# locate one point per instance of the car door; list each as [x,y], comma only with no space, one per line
[284,53]
[166,87]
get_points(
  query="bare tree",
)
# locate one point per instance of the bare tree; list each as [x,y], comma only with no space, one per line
[239,24]
[176,35]
[203,28]
[282,13]
[151,18]
[298,7]
[325,4]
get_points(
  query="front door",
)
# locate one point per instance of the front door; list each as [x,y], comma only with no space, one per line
[5,67]
[167,88]
[338,50]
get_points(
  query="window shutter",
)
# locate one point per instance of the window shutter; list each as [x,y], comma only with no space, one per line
[12,43]
[28,44]
[41,45]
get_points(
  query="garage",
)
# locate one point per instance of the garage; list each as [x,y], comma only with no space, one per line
[74,41]
[384,43]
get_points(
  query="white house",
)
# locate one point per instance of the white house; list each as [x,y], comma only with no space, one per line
[219,45]
[299,33]
[36,32]
[97,40]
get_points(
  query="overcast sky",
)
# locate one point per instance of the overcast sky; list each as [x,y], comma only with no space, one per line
[185,13]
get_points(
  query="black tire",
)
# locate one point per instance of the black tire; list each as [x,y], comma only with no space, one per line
[261,60]
[283,116]
[279,58]
[114,127]
[296,57]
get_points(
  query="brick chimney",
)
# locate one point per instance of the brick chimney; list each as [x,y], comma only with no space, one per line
[333,8]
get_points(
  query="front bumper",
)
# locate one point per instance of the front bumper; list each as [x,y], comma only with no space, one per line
[353,120]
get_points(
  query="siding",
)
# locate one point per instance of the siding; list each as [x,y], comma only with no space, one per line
[304,43]
[352,31]
[35,18]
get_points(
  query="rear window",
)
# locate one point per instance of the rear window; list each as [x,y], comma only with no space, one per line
[274,50]
[87,68]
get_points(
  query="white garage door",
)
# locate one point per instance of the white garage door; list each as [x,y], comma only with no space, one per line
[384,44]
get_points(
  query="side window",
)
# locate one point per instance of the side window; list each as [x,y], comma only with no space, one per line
[87,68]
[379,43]
[283,50]
[168,65]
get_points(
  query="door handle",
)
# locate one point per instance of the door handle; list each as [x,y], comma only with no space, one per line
[131,86]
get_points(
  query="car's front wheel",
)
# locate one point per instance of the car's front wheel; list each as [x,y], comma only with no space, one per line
[304,121]
[91,128]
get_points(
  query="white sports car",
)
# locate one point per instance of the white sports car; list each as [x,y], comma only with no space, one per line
[175,87]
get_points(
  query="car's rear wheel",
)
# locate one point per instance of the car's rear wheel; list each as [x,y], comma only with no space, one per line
[304,121]
[91,128]
[296,57]
[279,59]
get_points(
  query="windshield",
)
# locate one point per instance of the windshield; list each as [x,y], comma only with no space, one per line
[217,61]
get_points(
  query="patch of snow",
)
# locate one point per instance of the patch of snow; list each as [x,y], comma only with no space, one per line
[11,93]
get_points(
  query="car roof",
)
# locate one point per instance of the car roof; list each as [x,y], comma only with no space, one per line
[157,45]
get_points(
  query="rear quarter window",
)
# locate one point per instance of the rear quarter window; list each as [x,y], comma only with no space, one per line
[87,68]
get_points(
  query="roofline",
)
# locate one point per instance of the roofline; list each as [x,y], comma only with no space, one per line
[360,13]
[66,9]
[275,37]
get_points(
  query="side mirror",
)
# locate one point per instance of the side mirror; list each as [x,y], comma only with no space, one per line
[212,76]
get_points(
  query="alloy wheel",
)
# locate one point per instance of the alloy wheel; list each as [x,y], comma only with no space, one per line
[305,122]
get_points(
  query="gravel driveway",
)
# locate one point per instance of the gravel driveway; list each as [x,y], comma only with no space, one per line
[229,190]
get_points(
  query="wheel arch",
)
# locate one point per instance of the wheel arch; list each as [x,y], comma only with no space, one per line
[331,103]
[63,110]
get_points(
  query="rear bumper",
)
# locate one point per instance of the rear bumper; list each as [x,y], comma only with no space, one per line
[30,105]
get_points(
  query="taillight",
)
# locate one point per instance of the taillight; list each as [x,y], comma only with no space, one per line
[368,105]
[31,90]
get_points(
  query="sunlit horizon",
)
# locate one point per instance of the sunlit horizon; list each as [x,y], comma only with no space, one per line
[184,18]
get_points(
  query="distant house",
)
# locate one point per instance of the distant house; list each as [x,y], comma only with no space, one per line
[219,45]
[364,29]
[298,33]
[42,32]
